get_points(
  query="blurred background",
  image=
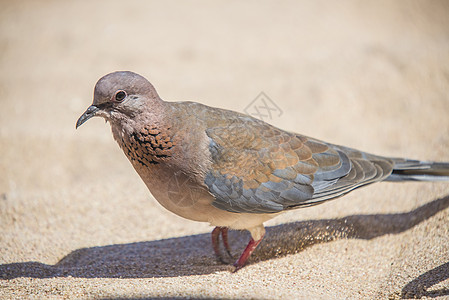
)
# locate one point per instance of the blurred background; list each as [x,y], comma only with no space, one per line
[370,75]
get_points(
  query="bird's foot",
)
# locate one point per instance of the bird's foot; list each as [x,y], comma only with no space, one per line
[216,243]
[223,231]
[246,254]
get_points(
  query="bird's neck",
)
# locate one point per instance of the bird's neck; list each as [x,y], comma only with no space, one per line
[145,141]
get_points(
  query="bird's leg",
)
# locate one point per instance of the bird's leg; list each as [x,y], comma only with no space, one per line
[224,236]
[257,235]
[216,242]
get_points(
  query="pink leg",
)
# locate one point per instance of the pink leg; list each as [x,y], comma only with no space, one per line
[215,242]
[246,253]
[224,236]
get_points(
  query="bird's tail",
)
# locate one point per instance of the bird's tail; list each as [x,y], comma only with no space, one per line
[415,170]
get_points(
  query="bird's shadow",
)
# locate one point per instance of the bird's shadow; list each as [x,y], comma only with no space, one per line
[193,255]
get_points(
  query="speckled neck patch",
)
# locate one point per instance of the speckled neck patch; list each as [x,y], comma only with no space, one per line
[148,146]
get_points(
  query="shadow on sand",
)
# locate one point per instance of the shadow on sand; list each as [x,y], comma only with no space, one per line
[419,287]
[193,255]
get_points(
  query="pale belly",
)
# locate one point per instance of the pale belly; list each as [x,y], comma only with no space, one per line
[185,198]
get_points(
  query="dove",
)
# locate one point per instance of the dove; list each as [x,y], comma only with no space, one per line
[229,169]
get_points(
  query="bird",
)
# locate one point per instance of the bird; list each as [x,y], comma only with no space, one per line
[230,169]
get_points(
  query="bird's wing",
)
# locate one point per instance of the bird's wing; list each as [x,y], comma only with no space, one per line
[258,168]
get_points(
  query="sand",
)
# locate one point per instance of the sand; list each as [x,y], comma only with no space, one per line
[77,222]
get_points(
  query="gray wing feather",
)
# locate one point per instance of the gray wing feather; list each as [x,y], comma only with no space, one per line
[293,188]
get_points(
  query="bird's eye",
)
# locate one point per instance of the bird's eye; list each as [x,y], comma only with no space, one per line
[120,95]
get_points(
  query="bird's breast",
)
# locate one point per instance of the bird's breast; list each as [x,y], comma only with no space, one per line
[160,161]
[148,146]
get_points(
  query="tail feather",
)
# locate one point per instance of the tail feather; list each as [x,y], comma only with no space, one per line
[415,170]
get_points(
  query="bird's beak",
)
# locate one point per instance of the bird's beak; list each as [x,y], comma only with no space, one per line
[90,112]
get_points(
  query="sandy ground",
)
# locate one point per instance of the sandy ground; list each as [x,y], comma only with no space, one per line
[77,222]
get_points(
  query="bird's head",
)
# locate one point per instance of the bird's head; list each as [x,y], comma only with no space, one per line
[120,96]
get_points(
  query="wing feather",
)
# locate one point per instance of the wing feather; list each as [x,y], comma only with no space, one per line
[258,168]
